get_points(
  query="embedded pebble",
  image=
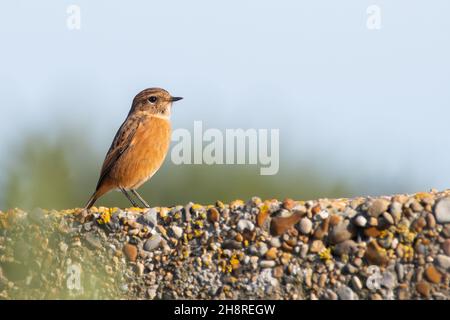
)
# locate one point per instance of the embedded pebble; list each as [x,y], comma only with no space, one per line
[245,224]
[376,255]
[93,241]
[149,218]
[388,280]
[275,242]
[213,215]
[443,262]
[345,293]
[432,274]
[423,288]
[130,251]
[360,221]
[446,247]
[396,209]
[267,263]
[152,243]
[316,246]
[345,247]
[356,283]
[389,219]
[341,232]
[377,207]
[177,231]
[442,211]
[305,226]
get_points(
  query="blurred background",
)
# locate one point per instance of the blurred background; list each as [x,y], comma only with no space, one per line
[360,111]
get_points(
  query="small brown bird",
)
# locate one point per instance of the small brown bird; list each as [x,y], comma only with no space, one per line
[139,147]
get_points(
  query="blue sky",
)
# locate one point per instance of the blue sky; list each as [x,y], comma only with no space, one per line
[369,105]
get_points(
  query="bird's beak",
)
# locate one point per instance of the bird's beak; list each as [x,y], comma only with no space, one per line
[175,98]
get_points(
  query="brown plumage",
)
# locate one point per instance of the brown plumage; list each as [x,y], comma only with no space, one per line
[139,147]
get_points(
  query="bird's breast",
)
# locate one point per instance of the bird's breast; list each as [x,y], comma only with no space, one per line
[146,153]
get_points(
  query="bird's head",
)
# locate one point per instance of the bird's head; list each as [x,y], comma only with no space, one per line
[155,101]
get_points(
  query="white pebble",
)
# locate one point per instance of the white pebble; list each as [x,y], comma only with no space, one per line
[245,224]
[305,226]
[360,221]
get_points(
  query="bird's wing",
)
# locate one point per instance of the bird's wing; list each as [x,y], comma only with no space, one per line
[121,143]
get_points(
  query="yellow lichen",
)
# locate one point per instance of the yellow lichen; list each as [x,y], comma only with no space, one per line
[220,204]
[104,218]
[222,265]
[163,212]
[198,233]
[325,254]
[345,258]
[196,206]
[135,209]
[410,236]
[422,195]
[199,223]
[264,208]
[383,234]
[407,235]
[408,253]
[234,262]
[236,203]
[391,254]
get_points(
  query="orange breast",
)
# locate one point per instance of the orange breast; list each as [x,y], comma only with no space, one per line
[145,154]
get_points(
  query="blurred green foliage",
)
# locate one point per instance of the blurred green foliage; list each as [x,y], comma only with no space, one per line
[62,173]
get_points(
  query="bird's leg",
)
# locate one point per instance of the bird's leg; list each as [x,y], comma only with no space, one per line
[140,198]
[129,197]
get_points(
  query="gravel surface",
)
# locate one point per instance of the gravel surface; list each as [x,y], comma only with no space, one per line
[363,248]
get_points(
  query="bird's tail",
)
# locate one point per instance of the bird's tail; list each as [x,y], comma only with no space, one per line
[91,201]
[101,190]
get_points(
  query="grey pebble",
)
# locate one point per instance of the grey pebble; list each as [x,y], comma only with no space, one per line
[341,232]
[396,211]
[377,207]
[400,271]
[345,247]
[93,241]
[150,218]
[331,295]
[389,280]
[442,211]
[275,242]
[232,244]
[152,243]
[443,261]
[345,293]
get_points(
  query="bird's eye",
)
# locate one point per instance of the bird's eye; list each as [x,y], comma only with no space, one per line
[152,99]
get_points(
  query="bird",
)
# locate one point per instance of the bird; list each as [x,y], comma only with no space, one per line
[139,147]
